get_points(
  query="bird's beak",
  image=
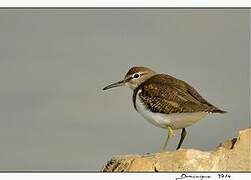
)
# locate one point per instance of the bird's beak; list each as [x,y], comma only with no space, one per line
[120,83]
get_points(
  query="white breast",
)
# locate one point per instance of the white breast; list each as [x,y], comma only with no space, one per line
[174,120]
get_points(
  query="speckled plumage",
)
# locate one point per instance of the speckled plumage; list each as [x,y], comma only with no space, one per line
[165,94]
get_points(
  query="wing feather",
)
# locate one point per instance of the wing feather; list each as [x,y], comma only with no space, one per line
[165,94]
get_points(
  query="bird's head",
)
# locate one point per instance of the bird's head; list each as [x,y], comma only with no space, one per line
[133,78]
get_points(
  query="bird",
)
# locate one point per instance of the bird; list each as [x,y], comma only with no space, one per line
[165,101]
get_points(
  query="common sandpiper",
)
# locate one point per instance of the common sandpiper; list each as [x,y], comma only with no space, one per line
[165,101]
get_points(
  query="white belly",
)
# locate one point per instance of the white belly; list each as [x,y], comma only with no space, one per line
[174,120]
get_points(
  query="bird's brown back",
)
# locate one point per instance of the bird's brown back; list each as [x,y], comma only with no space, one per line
[163,93]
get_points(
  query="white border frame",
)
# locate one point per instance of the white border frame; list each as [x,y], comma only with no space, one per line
[125,3]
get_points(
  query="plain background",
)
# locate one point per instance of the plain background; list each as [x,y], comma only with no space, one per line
[54,64]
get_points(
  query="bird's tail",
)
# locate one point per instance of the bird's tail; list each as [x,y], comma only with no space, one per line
[218,111]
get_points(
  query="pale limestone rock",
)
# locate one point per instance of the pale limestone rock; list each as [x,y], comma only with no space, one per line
[232,155]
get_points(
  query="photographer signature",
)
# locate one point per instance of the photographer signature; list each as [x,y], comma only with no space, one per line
[199,177]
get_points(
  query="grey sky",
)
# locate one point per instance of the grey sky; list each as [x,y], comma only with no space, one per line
[54,63]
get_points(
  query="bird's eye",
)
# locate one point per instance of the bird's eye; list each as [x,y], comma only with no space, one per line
[136,76]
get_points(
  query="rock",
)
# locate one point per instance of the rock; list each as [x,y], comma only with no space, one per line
[232,155]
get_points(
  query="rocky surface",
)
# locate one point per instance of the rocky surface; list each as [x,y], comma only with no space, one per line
[232,155]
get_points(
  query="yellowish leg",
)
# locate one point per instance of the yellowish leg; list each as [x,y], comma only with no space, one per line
[170,134]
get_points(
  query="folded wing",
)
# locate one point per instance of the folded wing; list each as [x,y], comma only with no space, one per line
[165,94]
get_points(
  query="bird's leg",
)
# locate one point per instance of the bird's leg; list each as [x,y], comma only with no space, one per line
[182,137]
[170,134]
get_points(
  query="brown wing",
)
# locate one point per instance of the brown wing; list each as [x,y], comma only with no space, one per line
[166,94]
